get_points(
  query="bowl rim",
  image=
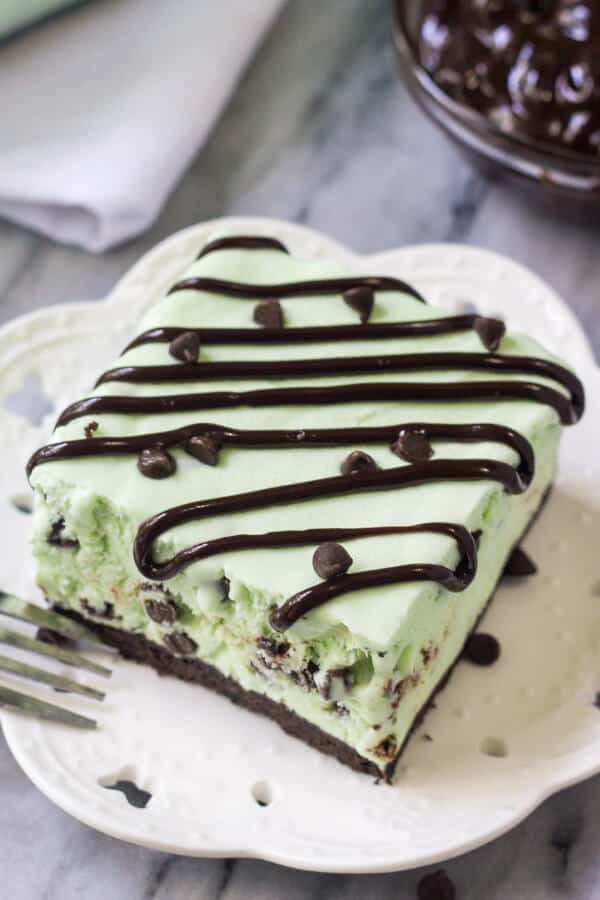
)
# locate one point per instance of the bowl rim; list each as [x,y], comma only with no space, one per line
[544,152]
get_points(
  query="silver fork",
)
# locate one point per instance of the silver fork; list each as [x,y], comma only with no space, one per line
[42,618]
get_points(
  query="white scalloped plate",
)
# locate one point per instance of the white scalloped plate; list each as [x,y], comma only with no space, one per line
[203,759]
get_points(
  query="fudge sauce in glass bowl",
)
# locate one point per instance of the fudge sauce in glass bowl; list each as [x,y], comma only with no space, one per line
[515,82]
[532,67]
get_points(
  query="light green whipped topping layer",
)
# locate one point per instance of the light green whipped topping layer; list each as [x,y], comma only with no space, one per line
[397,641]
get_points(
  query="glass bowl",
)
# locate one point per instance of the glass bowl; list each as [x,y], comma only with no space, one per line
[551,169]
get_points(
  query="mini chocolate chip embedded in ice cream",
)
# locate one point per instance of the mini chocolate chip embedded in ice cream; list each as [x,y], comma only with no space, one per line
[55,537]
[269,314]
[358,462]
[360,299]
[156,463]
[331,559]
[106,611]
[204,447]
[271,653]
[163,612]
[180,643]
[490,332]
[185,347]
[412,446]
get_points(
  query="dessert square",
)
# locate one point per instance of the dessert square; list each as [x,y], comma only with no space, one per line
[299,486]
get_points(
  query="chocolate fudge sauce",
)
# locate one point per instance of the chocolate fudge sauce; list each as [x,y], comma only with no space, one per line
[531,66]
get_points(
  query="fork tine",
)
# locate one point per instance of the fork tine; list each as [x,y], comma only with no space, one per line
[43,677]
[41,709]
[22,642]
[44,618]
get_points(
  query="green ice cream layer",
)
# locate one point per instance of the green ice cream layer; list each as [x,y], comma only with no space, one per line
[397,641]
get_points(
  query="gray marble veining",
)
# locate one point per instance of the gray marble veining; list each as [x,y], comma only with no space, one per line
[319,132]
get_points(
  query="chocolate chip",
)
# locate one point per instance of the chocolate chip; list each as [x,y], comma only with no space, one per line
[428,738]
[358,462]
[55,537]
[412,446]
[331,559]
[519,564]
[596,699]
[360,299]
[90,429]
[164,612]
[107,611]
[224,585]
[490,332]
[180,643]
[204,447]
[436,886]
[271,652]
[305,678]
[271,647]
[185,347]
[268,314]
[481,649]
[156,463]
[344,675]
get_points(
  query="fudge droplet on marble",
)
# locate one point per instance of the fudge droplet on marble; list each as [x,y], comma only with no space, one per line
[185,347]
[330,559]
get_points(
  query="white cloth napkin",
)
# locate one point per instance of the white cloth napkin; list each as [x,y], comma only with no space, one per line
[102,109]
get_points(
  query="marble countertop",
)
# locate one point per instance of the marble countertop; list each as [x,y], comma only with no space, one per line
[320,132]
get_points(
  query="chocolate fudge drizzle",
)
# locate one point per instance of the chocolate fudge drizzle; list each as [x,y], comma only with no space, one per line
[314,334]
[317,288]
[567,400]
[242,242]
